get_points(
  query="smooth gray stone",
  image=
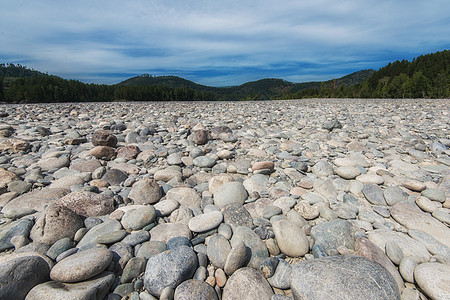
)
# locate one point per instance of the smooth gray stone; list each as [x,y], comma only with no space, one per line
[433,245]
[247,284]
[178,241]
[406,268]
[169,269]
[8,231]
[230,193]
[136,238]
[124,289]
[433,279]
[195,290]
[19,273]
[59,247]
[238,257]
[103,228]
[281,279]
[218,250]
[151,248]
[268,266]
[258,250]
[434,195]
[94,288]
[342,277]
[330,235]
[393,195]
[82,265]
[204,162]
[374,194]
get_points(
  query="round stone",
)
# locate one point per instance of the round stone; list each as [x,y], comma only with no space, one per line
[290,238]
[246,284]
[82,265]
[169,269]
[135,219]
[218,250]
[206,221]
[204,162]
[348,172]
[195,289]
[433,279]
[145,191]
[230,193]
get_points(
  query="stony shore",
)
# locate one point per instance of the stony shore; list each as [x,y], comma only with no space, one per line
[308,199]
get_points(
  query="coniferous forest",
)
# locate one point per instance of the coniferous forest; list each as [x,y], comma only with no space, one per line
[427,76]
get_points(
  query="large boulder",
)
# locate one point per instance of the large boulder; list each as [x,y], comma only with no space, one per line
[342,277]
[19,273]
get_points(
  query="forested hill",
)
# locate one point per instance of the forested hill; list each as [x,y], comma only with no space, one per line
[427,76]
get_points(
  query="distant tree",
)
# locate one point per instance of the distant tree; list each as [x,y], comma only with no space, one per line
[1,89]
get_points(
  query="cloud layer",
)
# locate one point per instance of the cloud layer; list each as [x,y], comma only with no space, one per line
[218,42]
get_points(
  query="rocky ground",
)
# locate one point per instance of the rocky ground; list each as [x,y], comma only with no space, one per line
[310,199]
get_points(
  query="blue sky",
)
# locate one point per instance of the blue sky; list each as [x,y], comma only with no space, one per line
[218,43]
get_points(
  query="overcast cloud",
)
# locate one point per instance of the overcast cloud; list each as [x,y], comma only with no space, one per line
[218,42]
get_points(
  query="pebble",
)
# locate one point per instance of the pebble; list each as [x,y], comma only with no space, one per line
[247,283]
[147,177]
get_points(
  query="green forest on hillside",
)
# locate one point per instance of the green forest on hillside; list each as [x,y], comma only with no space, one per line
[427,76]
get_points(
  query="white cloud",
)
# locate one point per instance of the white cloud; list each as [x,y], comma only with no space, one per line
[89,37]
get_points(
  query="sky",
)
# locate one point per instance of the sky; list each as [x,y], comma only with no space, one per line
[218,43]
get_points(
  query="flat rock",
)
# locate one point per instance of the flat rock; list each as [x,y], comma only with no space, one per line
[256,183]
[374,194]
[236,259]
[412,217]
[433,279]
[218,250]
[88,204]
[16,228]
[164,232]
[52,163]
[81,265]
[38,200]
[99,230]
[94,288]
[370,179]
[169,269]
[348,172]
[393,195]
[330,278]
[86,165]
[246,284]
[206,221]
[410,247]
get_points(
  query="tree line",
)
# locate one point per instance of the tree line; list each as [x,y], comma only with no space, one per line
[427,76]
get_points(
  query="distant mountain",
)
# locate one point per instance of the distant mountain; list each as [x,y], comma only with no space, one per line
[255,90]
[427,76]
